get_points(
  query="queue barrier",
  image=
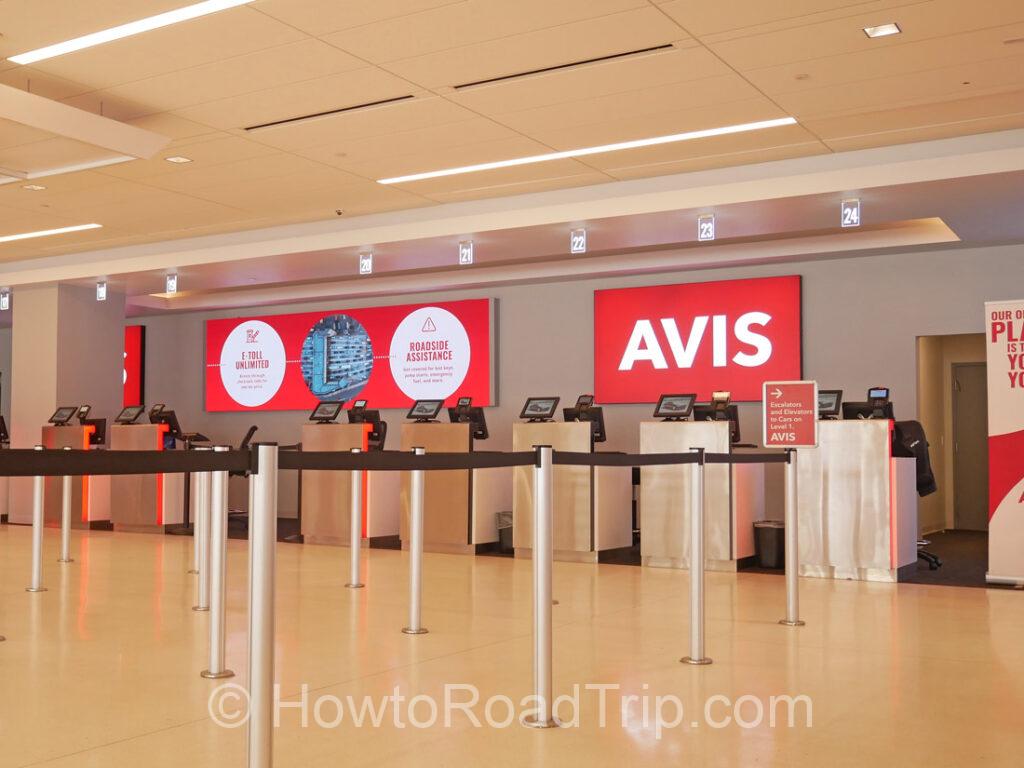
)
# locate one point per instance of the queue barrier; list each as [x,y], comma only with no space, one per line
[262,462]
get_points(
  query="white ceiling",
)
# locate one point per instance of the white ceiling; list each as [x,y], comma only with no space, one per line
[952,72]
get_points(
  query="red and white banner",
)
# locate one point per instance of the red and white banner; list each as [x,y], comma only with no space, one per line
[389,356]
[1004,324]
[696,337]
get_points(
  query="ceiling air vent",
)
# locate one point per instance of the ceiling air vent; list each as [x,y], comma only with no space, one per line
[572,65]
[329,112]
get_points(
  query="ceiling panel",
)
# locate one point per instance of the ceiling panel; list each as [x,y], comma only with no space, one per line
[337,91]
[623,126]
[216,37]
[291,63]
[553,46]
[51,153]
[637,104]
[351,153]
[418,113]
[919,21]
[318,17]
[700,17]
[241,172]
[704,162]
[939,84]
[942,52]
[204,152]
[42,84]
[507,182]
[465,24]
[593,80]
[13,134]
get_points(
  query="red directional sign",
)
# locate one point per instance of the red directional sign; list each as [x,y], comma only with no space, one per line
[790,414]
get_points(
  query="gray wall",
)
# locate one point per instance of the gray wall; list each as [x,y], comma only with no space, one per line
[5,371]
[861,319]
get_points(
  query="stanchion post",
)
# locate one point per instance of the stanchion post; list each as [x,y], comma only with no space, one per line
[201,532]
[218,572]
[792,545]
[543,554]
[697,563]
[416,550]
[197,499]
[355,527]
[36,584]
[65,519]
[262,542]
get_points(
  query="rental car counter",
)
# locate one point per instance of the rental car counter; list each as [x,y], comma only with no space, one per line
[326,494]
[460,506]
[592,506]
[733,494]
[857,503]
[90,495]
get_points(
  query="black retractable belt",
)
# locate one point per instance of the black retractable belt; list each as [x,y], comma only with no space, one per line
[392,461]
[586,459]
[57,463]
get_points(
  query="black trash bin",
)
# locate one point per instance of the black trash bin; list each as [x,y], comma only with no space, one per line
[770,543]
[505,533]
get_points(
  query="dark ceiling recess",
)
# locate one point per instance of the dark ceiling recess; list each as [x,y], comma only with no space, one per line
[582,63]
[339,111]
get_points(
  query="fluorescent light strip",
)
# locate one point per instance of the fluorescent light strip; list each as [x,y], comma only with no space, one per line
[742,128]
[48,232]
[90,165]
[127,30]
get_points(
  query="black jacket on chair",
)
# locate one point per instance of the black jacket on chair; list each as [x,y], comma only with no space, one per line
[908,440]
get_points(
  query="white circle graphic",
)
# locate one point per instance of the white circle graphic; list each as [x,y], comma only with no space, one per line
[252,363]
[430,354]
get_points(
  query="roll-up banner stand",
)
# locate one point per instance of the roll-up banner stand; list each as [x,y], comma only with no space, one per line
[1004,324]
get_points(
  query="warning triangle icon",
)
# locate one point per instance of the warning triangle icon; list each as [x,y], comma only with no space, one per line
[429,327]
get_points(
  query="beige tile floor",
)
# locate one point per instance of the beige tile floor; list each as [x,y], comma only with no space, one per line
[103,669]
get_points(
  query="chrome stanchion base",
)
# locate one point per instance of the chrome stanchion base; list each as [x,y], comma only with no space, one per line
[695,662]
[62,560]
[787,623]
[216,675]
[200,608]
[536,722]
[420,631]
[34,589]
[354,586]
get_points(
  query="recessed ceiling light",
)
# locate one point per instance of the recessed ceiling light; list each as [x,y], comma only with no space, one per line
[33,187]
[670,139]
[883,30]
[178,159]
[47,232]
[127,30]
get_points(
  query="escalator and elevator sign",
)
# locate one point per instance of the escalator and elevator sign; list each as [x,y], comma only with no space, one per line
[790,414]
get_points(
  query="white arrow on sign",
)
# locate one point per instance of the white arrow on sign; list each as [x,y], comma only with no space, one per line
[776,392]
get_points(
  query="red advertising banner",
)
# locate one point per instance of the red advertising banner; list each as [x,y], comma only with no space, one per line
[696,337]
[1004,324]
[389,356]
[790,411]
[134,364]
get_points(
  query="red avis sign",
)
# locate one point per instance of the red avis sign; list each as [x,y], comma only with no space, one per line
[696,337]
[790,413]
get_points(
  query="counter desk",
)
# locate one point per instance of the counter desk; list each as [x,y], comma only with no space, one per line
[144,503]
[733,498]
[90,496]
[857,504]
[592,506]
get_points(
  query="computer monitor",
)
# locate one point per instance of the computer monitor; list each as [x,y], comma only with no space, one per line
[98,436]
[63,415]
[878,406]
[4,437]
[711,412]
[466,412]
[584,410]
[829,403]
[425,410]
[130,414]
[326,412]
[674,407]
[157,407]
[170,418]
[83,413]
[358,414]
[539,408]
